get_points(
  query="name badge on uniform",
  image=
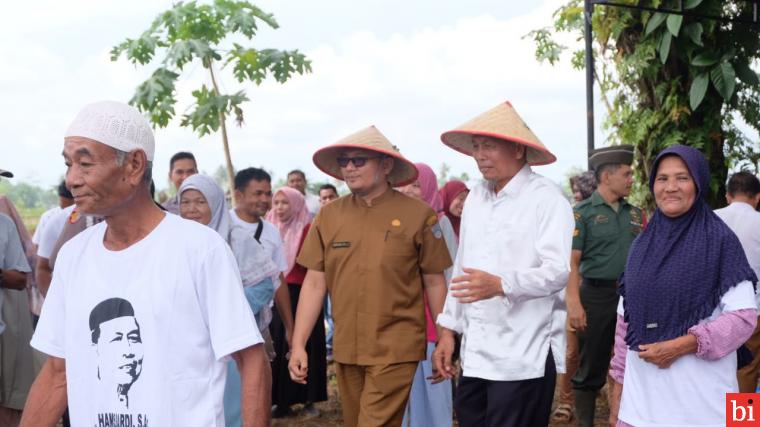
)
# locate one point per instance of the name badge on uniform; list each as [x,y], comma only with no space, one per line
[338,245]
[601,219]
[652,325]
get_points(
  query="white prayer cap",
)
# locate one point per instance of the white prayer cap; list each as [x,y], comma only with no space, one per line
[115,124]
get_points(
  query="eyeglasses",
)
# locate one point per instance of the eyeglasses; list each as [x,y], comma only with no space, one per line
[358,161]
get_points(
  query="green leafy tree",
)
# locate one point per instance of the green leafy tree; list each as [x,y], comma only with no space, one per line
[191,32]
[672,79]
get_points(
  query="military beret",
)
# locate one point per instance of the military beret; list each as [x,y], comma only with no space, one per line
[617,154]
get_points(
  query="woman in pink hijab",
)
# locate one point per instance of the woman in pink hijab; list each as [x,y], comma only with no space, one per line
[430,404]
[291,216]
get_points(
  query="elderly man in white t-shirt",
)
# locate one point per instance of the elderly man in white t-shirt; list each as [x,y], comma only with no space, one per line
[144,300]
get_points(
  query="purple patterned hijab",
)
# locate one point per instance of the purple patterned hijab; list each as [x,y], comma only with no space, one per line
[679,268]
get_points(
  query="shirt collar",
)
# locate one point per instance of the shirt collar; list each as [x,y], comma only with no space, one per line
[742,205]
[515,184]
[377,201]
[596,199]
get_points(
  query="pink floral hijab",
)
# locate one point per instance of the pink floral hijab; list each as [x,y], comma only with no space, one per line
[291,229]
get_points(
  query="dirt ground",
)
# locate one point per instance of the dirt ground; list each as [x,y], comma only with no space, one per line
[330,414]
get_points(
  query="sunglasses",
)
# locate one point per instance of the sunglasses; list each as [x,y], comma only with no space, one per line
[358,161]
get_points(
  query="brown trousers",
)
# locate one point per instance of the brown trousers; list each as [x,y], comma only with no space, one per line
[374,396]
[747,375]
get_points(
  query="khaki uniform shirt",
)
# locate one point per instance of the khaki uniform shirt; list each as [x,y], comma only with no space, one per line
[605,236]
[373,258]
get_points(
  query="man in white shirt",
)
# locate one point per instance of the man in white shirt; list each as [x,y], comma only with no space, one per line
[253,193]
[163,291]
[743,195]
[506,297]
[45,235]
[297,180]
[65,199]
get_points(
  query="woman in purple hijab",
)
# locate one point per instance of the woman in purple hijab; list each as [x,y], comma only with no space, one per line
[688,303]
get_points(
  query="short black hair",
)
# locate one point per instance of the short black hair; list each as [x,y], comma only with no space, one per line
[607,167]
[743,183]
[297,171]
[243,177]
[328,187]
[180,156]
[106,310]
[63,191]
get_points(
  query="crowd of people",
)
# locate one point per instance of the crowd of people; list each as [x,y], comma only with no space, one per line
[219,308]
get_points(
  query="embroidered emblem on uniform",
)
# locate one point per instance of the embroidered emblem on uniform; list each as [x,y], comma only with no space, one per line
[396,223]
[437,232]
[576,232]
[337,245]
[601,219]
[577,215]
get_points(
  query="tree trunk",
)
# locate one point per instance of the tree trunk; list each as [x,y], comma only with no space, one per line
[225,142]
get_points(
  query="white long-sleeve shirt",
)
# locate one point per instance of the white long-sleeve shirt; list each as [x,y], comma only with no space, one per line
[523,234]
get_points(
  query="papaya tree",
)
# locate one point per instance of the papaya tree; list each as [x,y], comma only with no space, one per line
[191,33]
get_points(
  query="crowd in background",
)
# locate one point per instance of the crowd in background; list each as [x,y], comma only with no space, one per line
[433,303]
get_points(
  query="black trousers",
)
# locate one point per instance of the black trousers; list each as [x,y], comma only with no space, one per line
[525,403]
[600,301]
[285,392]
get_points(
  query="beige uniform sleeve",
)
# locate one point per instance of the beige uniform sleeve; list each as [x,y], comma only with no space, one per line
[434,254]
[312,254]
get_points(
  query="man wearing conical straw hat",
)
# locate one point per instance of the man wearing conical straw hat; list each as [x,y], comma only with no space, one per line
[376,251]
[506,297]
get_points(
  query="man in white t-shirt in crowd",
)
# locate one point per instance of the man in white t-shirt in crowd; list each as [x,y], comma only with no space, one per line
[65,199]
[253,193]
[743,195]
[175,280]
[181,165]
[297,181]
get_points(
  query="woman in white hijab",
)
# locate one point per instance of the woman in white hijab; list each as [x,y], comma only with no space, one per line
[202,200]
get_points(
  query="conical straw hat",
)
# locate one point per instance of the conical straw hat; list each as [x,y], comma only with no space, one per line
[501,122]
[404,172]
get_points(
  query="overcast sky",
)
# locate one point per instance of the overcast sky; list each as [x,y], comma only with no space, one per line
[412,68]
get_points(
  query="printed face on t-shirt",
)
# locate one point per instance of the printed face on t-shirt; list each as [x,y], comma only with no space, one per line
[120,352]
